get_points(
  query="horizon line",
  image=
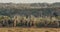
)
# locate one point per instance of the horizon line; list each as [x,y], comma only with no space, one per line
[32,2]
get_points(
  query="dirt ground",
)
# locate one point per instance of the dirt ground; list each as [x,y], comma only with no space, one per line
[19,29]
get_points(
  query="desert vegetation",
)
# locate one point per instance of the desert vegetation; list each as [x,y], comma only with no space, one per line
[30,21]
[29,24]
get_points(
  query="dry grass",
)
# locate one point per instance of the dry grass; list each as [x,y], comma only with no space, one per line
[29,30]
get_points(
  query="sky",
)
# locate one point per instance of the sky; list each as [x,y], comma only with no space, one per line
[29,1]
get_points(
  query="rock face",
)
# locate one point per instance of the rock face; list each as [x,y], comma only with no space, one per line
[36,9]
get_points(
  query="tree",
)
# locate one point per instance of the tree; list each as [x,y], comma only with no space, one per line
[55,14]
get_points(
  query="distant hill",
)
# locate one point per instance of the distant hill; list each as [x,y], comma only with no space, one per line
[28,5]
[35,9]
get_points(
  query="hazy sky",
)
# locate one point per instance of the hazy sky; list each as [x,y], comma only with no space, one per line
[29,1]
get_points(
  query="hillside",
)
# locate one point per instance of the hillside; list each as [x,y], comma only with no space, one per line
[36,9]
